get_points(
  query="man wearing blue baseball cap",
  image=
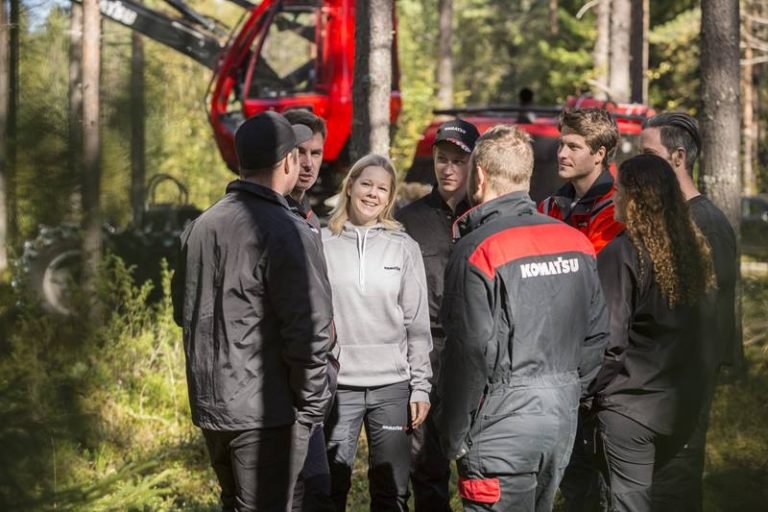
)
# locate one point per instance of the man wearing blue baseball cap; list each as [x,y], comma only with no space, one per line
[252,296]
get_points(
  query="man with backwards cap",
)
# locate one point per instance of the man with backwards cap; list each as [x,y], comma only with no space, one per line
[429,221]
[252,295]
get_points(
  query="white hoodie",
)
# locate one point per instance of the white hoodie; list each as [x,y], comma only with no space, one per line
[380,308]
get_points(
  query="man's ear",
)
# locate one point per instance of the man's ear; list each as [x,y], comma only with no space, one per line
[481,179]
[600,155]
[287,164]
[678,158]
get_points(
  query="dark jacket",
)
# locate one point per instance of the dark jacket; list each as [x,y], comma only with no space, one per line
[429,221]
[592,214]
[653,365]
[304,210]
[522,308]
[252,294]
[723,340]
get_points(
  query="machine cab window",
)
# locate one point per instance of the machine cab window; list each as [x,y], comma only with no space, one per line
[284,62]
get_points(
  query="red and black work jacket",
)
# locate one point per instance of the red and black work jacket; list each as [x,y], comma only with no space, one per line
[592,214]
[522,305]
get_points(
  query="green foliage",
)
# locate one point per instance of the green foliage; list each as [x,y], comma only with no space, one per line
[506,46]
[416,40]
[736,476]
[96,417]
[179,139]
[43,183]
[674,63]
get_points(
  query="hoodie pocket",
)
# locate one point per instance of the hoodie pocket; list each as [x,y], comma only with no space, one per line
[372,365]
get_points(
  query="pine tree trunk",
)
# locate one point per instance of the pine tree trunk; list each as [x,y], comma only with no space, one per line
[748,172]
[720,123]
[444,72]
[4,54]
[719,118]
[749,182]
[372,84]
[138,167]
[639,51]
[619,84]
[554,27]
[602,50]
[91,186]
[11,161]
[75,113]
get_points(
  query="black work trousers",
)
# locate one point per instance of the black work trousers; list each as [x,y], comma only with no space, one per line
[633,453]
[582,487]
[313,487]
[430,469]
[257,469]
[677,486]
[384,412]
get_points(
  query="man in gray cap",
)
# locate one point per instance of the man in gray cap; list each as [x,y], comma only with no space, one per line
[252,295]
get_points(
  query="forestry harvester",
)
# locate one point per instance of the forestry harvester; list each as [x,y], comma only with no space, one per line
[282,54]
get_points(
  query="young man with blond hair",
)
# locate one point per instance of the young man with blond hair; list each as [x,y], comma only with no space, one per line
[526,326]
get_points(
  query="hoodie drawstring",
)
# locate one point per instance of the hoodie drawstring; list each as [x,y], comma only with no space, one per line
[361,254]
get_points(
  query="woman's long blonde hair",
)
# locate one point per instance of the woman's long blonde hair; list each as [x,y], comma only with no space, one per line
[340,213]
[661,229]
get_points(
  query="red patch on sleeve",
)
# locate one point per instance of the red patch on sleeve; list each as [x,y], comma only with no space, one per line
[486,490]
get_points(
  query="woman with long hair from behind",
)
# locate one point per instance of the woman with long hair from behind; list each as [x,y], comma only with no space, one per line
[654,276]
[382,319]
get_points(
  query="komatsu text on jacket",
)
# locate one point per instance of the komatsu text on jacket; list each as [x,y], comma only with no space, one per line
[523,312]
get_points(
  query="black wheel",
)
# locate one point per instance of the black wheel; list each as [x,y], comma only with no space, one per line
[48,268]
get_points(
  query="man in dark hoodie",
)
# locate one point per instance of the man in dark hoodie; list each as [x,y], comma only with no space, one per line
[252,295]
[526,326]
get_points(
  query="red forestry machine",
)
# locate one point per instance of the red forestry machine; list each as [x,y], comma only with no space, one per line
[287,54]
[282,54]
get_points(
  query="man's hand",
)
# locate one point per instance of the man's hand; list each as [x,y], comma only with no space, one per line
[419,411]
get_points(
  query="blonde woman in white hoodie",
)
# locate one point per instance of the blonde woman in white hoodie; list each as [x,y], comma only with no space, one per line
[382,320]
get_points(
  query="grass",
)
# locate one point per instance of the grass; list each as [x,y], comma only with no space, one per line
[96,417]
